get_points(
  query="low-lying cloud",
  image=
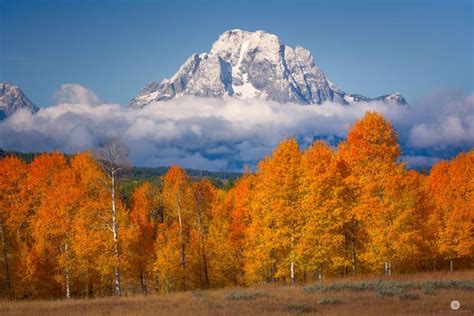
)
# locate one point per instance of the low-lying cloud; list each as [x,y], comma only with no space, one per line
[225,134]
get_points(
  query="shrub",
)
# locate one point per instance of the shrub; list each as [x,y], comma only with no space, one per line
[199,295]
[429,290]
[389,291]
[329,301]
[246,296]
[301,309]
[385,288]
[203,298]
[313,288]
[409,296]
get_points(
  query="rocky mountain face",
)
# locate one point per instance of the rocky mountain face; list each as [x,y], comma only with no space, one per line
[248,65]
[13,99]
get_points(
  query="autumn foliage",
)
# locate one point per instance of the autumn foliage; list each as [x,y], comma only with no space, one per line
[303,215]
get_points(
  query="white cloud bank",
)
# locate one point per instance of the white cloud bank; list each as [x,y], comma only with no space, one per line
[447,120]
[218,134]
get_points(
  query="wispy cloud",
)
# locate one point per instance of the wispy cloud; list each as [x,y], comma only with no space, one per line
[225,134]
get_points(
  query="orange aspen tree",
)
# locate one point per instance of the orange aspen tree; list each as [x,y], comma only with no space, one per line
[451,190]
[13,215]
[53,223]
[227,230]
[238,201]
[37,279]
[139,236]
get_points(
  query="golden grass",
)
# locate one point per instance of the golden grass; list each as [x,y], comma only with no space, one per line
[274,299]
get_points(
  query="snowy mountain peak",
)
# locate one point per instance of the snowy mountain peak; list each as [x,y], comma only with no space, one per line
[245,65]
[13,99]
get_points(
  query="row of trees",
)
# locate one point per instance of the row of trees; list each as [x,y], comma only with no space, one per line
[67,229]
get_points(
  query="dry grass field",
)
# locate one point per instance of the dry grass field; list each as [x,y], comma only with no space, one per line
[417,294]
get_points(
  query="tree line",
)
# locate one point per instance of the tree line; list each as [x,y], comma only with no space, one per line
[67,231]
[220,178]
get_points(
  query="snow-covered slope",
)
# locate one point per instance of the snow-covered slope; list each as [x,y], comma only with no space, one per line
[252,65]
[13,99]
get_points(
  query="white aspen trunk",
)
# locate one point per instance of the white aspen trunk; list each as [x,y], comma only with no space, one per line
[183,254]
[292,254]
[389,266]
[115,235]
[5,259]
[292,271]
[66,272]
[451,266]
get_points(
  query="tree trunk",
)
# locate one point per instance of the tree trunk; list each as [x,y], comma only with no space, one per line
[116,240]
[292,271]
[451,265]
[66,272]
[346,252]
[143,282]
[292,263]
[183,246]
[202,250]
[8,281]
[81,277]
[353,256]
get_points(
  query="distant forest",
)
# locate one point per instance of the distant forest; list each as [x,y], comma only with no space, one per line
[147,173]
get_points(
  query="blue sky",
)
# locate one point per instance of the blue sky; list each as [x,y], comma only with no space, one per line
[116,47]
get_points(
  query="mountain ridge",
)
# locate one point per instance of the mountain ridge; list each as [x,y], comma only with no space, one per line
[247,65]
[13,99]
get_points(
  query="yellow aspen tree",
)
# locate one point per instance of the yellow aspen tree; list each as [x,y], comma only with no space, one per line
[222,262]
[276,217]
[394,226]
[323,203]
[371,151]
[91,242]
[204,194]
[173,241]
